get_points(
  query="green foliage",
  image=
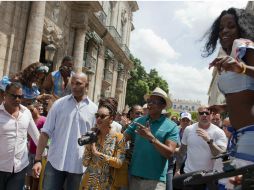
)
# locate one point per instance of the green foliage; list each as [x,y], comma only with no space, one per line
[155,80]
[142,83]
[172,112]
[194,116]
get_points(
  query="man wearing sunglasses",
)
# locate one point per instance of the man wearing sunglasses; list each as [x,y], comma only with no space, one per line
[15,123]
[155,138]
[201,141]
[70,117]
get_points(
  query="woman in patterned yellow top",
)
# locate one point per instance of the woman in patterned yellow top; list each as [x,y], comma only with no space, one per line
[107,153]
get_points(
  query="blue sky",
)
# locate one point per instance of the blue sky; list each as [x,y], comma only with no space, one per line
[167,37]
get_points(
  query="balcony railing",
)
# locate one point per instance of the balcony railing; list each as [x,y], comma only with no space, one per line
[90,63]
[126,50]
[115,34]
[101,15]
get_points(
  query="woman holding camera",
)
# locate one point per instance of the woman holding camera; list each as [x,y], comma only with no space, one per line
[108,153]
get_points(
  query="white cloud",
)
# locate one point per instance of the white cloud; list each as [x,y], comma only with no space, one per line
[201,13]
[151,48]
[185,82]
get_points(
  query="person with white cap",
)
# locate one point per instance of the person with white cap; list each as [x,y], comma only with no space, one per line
[155,137]
[185,120]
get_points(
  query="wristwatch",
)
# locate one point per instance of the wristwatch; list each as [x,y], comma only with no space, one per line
[210,141]
[36,161]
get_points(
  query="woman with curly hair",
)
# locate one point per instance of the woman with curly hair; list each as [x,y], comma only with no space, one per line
[31,79]
[234,29]
[107,153]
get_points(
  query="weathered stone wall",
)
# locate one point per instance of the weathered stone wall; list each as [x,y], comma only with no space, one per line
[58,14]
[13,26]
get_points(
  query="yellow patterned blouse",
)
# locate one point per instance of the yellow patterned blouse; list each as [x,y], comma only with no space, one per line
[98,175]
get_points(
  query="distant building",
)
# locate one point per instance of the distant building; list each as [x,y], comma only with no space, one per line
[215,97]
[95,33]
[185,105]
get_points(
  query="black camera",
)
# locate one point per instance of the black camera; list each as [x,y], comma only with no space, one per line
[89,138]
[65,69]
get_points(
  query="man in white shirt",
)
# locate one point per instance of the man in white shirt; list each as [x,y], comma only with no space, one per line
[70,117]
[15,123]
[201,141]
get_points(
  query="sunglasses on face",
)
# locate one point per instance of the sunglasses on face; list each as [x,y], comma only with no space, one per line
[156,102]
[138,113]
[15,96]
[204,112]
[102,116]
[185,120]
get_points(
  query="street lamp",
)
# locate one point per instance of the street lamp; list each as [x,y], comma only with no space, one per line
[49,55]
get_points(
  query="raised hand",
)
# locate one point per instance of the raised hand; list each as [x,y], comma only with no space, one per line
[144,131]
[228,63]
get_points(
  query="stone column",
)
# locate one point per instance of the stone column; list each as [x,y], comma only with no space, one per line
[125,88]
[115,73]
[78,52]
[113,19]
[122,95]
[34,33]
[99,74]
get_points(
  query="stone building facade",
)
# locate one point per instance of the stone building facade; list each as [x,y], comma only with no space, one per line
[95,33]
[185,105]
[215,97]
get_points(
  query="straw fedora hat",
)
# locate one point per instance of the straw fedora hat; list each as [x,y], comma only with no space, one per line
[159,92]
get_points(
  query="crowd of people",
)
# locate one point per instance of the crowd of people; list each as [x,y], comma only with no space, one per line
[143,149]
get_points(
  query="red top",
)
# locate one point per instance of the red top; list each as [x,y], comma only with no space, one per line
[39,123]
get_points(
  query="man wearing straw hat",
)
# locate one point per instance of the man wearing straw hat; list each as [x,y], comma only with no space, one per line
[155,137]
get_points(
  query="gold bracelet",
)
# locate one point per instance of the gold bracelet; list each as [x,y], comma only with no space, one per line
[244,68]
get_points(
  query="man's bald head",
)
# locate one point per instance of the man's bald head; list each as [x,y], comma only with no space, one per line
[79,85]
[80,75]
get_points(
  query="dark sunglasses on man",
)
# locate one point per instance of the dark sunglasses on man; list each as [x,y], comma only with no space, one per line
[204,113]
[155,102]
[15,96]
[138,113]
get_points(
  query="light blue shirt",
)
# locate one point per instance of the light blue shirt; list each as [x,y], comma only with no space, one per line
[65,123]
